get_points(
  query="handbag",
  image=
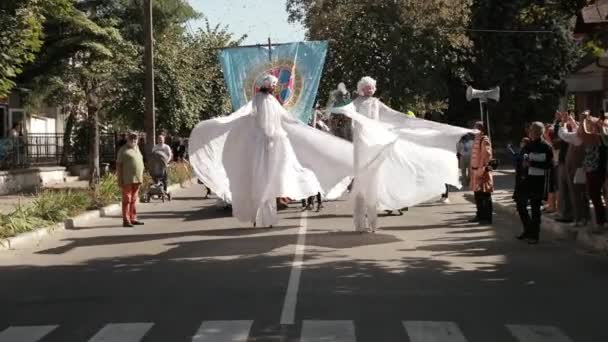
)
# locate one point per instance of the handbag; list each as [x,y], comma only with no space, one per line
[580,177]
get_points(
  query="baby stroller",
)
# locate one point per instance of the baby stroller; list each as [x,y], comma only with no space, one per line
[158,172]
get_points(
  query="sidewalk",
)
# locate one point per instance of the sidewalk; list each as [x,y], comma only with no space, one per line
[504,181]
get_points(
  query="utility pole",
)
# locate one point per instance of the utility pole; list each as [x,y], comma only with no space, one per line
[149,114]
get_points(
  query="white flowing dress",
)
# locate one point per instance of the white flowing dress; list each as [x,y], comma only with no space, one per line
[399,161]
[260,153]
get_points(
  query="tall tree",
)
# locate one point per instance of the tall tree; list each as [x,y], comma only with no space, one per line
[81,57]
[412,47]
[530,65]
[169,16]
[21,35]
[188,81]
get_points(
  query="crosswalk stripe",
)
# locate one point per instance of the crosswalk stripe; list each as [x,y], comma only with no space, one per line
[537,333]
[223,331]
[427,331]
[335,331]
[26,333]
[122,332]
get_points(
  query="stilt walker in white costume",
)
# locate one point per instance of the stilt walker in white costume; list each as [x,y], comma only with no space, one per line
[261,153]
[399,161]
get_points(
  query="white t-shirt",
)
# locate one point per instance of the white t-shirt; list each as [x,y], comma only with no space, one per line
[165,149]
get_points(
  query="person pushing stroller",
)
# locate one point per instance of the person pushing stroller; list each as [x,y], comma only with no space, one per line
[163,152]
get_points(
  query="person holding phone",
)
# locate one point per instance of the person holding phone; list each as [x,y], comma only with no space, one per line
[537,162]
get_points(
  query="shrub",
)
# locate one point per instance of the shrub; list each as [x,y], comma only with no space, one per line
[56,206]
[108,191]
[21,220]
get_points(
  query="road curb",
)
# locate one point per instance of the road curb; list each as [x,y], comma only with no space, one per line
[36,235]
[581,236]
[27,238]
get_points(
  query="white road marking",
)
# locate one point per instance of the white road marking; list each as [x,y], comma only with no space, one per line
[334,331]
[537,333]
[426,331]
[122,332]
[291,297]
[26,333]
[223,331]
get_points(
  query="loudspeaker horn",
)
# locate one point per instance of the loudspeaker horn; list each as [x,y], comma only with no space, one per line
[483,95]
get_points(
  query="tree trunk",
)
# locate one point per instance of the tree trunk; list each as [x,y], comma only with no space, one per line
[67,136]
[93,146]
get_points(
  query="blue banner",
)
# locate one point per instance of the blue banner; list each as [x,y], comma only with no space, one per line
[298,66]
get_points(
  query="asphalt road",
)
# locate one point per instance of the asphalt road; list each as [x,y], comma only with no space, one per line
[193,273]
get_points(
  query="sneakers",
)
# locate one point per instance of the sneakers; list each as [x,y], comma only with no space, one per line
[445,200]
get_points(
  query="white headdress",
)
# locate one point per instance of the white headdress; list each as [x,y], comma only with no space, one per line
[269,81]
[366,86]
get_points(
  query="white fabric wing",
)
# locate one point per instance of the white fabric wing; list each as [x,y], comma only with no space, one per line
[420,131]
[395,170]
[261,152]
[206,147]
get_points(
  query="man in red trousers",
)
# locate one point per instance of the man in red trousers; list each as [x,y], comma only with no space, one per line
[130,174]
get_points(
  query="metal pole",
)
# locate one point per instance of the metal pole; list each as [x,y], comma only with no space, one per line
[149,115]
[269,50]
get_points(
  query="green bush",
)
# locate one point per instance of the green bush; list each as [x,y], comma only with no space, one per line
[21,220]
[108,191]
[56,206]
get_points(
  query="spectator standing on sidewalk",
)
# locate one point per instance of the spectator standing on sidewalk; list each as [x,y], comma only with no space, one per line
[565,184]
[481,175]
[534,177]
[549,137]
[165,151]
[595,169]
[568,132]
[130,175]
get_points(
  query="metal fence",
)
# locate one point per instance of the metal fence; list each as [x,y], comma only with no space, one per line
[47,149]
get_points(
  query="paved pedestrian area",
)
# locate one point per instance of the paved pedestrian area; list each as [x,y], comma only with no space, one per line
[193,273]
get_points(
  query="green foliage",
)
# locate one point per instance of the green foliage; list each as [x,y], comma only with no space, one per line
[20,39]
[127,15]
[107,191]
[21,220]
[56,206]
[53,206]
[410,47]
[423,54]
[530,68]
[188,82]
